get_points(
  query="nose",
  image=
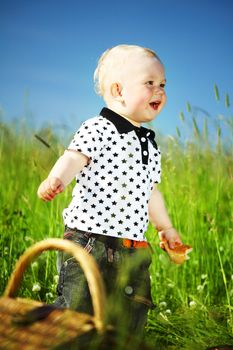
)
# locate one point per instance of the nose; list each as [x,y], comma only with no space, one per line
[158,90]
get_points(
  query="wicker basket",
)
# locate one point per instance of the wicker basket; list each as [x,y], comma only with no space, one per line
[60,325]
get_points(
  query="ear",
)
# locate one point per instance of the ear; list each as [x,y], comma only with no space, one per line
[116,89]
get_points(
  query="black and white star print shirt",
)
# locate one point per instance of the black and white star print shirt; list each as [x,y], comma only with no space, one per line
[112,192]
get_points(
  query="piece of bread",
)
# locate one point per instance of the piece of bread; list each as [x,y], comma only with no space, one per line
[179,254]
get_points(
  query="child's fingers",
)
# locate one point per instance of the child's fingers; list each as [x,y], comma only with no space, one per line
[161,235]
[173,244]
[45,192]
[170,236]
[60,188]
[50,188]
[46,196]
[56,185]
[49,195]
[161,244]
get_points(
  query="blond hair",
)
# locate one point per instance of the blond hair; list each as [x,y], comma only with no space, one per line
[112,60]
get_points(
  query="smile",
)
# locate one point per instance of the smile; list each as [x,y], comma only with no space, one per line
[155,105]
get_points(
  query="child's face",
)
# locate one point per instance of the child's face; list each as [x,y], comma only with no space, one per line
[142,91]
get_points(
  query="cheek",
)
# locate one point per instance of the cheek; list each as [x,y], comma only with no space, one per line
[136,99]
[144,96]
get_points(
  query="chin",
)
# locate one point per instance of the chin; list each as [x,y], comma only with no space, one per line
[149,118]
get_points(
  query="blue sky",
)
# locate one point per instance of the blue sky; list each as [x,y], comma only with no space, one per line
[49,50]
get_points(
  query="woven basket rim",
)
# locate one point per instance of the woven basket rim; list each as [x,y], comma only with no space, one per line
[86,261]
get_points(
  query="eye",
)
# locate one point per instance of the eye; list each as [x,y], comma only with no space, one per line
[150,82]
[162,85]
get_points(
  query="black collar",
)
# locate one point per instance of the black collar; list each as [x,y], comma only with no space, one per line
[123,126]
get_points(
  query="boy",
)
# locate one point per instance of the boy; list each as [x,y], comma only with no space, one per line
[116,163]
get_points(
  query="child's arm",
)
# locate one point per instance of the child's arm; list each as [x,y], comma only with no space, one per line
[62,173]
[159,217]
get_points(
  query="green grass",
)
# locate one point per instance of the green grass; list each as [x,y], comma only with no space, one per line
[194,301]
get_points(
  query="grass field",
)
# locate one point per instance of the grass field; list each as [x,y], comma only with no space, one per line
[194,301]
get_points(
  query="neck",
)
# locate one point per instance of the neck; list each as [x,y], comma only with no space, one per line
[116,110]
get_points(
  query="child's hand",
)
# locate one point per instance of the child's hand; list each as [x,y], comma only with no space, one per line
[171,236]
[172,244]
[49,188]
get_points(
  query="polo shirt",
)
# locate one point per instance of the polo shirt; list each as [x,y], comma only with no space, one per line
[112,192]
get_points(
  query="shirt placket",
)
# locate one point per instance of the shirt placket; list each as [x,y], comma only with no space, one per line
[143,139]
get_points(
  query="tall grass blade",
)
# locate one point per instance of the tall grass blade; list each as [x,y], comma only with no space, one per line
[205,130]
[195,128]
[42,140]
[224,281]
[178,132]
[216,92]
[181,116]
[219,146]
[227,101]
[188,106]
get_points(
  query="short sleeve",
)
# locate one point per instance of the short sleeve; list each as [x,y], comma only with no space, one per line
[89,139]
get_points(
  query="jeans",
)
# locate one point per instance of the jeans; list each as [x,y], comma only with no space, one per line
[125,274]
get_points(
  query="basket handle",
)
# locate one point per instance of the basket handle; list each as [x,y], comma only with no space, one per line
[86,262]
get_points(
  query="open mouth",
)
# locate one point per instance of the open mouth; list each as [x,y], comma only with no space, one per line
[155,105]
